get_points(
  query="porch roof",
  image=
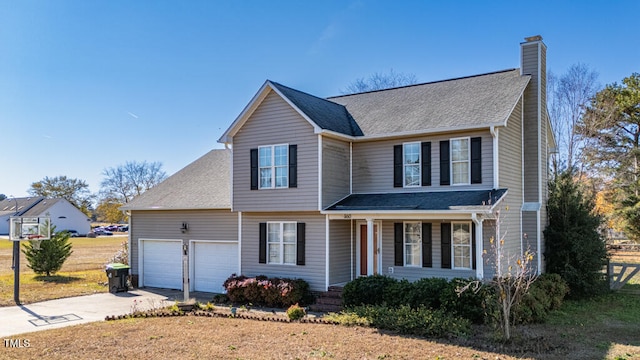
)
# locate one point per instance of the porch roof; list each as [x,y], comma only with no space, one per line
[421,201]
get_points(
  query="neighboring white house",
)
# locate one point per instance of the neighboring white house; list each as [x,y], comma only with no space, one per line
[63,215]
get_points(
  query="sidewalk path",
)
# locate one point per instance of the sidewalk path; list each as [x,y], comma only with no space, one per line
[59,313]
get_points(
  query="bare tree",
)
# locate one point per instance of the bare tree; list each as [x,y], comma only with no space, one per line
[569,95]
[379,81]
[127,181]
[513,276]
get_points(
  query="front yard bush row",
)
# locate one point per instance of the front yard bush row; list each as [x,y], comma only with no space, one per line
[546,294]
[264,291]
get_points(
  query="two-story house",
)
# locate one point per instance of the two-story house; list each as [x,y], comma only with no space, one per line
[404,182]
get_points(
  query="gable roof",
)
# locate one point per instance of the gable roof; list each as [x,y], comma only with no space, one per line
[8,205]
[203,184]
[421,201]
[472,102]
[326,114]
[478,101]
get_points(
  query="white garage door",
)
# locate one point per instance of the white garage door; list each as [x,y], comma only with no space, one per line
[162,264]
[213,263]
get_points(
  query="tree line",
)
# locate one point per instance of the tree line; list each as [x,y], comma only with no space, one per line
[119,186]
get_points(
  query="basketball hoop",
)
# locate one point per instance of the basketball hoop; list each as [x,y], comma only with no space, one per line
[35,244]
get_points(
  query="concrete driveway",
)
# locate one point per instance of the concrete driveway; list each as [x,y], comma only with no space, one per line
[83,309]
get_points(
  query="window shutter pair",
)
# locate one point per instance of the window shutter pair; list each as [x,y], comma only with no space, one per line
[445,243]
[476,162]
[300,244]
[293,167]
[425,156]
[398,244]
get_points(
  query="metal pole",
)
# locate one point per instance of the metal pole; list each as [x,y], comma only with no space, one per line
[16,272]
[16,264]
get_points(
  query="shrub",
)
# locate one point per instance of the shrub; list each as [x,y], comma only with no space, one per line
[366,290]
[51,254]
[574,247]
[426,292]
[295,312]
[260,290]
[471,305]
[545,294]
[347,318]
[421,321]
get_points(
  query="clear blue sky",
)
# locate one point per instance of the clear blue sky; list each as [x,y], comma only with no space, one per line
[87,85]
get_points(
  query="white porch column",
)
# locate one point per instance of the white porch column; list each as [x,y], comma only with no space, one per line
[370,249]
[479,246]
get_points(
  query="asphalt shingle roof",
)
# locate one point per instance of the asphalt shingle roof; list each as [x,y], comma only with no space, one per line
[326,114]
[469,102]
[442,200]
[203,184]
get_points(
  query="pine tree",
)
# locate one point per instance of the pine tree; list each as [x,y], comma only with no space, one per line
[48,257]
[574,247]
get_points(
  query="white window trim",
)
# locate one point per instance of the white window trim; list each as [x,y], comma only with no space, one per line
[272,167]
[404,173]
[468,161]
[404,243]
[280,243]
[453,245]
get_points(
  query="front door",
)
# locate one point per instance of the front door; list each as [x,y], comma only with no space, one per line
[363,249]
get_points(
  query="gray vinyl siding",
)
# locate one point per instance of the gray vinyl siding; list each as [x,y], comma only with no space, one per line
[488,259]
[530,232]
[335,170]
[341,251]
[373,164]
[510,177]
[165,224]
[416,273]
[314,269]
[275,122]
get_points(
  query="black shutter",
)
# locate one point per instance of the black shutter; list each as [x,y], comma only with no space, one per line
[445,242]
[444,163]
[398,245]
[426,163]
[426,245]
[397,166]
[300,245]
[254,169]
[293,166]
[262,247]
[473,246]
[476,160]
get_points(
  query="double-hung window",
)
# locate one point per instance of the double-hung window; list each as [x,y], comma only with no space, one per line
[413,244]
[273,166]
[281,242]
[461,242]
[460,161]
[411,164]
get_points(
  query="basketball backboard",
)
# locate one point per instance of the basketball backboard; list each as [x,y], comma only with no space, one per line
[29,228]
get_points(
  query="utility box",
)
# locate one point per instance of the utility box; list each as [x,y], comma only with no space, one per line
[118,275]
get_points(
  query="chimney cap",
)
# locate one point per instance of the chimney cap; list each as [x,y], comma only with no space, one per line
[533,38]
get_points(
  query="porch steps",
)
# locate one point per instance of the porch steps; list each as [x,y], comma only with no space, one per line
[328,301]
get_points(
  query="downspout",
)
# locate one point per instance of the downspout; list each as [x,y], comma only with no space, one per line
[319,172]
[326,250]
[479,246]
[351,169]
[496,164]
[239,243]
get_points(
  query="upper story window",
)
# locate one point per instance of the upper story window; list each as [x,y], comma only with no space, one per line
[412,244]
[411,164]
[460,161]
[273,166]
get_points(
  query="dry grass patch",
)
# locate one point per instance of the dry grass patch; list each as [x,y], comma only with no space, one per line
[82,274]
